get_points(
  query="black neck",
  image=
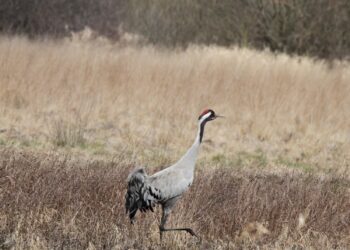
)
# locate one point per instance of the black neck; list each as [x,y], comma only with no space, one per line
[201,131]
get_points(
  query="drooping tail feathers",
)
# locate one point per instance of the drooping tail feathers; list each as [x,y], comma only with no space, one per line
[140,195]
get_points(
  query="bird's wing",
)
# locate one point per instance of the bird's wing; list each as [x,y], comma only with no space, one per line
[140,194]
[144,191]
[170,183]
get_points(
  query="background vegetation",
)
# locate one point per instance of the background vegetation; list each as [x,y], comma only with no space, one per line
[101,98]
[78,115]
[316,27]
[91,89]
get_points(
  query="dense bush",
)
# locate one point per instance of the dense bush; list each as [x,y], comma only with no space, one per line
[315,27]
[59,17]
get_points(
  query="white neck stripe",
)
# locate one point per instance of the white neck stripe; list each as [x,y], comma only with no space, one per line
[204,117]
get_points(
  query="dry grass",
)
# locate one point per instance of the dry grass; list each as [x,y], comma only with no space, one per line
[290,110]
[276,169]
[51,201]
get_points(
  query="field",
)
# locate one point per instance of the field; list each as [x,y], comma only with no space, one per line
[77,116]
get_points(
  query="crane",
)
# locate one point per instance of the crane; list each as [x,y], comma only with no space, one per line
[166,186]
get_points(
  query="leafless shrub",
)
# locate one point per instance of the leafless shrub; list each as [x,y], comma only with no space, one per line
[58,18]
[315,27]
[68,203]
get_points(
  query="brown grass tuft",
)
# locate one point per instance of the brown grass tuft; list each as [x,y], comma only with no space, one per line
[54,201]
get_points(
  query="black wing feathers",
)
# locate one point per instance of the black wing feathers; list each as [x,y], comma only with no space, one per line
[140,195]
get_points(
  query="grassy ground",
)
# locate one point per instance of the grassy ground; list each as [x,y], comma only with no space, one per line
[75,117]
[52,201]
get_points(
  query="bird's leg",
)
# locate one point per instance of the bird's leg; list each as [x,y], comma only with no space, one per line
[165,214]
[162,222]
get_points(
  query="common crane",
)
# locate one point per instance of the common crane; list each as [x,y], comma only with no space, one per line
[166,186]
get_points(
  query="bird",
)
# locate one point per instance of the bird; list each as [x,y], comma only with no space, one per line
[167,186]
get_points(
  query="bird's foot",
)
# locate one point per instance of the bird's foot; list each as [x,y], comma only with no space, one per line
[191,232]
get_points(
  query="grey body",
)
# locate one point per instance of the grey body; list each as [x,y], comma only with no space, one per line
[166,186]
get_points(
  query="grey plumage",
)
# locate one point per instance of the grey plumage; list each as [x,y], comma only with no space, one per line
[166,186]
[144,191]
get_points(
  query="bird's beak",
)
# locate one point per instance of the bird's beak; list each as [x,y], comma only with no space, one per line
[219,116]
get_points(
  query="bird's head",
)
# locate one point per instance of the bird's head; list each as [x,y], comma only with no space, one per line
[208,115]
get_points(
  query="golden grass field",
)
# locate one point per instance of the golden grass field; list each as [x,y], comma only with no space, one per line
[119,105]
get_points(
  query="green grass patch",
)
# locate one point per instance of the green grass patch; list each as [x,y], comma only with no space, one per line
[241,159]
[2,142]
[306,167]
